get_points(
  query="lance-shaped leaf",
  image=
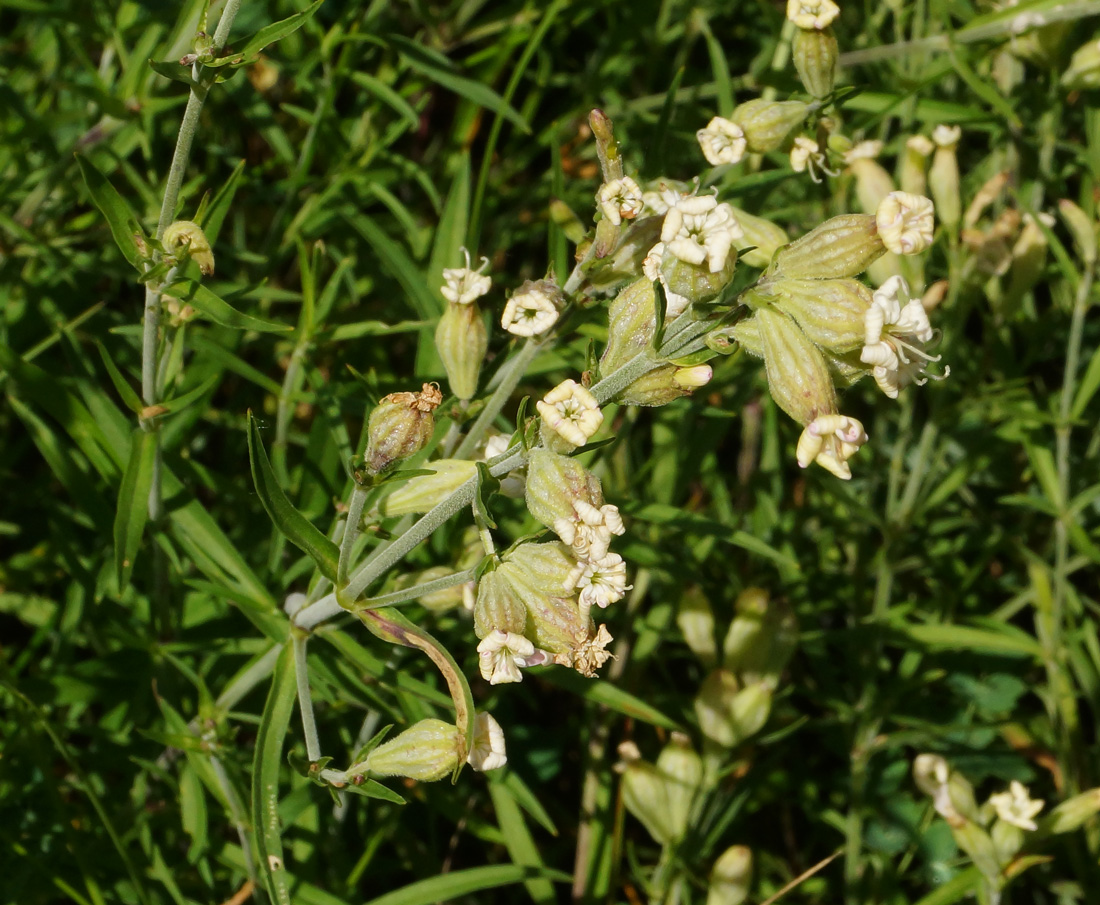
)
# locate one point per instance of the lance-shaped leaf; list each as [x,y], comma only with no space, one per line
[133,503]
[266,36]
[124,225]
[299,530]
[265,777]
[208,302]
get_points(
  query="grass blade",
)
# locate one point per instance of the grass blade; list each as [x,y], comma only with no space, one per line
[133,503]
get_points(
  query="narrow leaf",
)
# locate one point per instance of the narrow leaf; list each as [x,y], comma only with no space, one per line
[447,887]
[276,31]
[219,310]
[294,526]
[129,396]
[121,220]
[265,777]
[172,69]
[517,839]
[610,696]
[441,71]
[133,503]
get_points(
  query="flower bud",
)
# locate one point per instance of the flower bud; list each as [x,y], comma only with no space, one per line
[1072,813]
[1084,67]
[1081,228]
[830,312]
[763,236]
[607,149]
[815,54]
[760,639]
[422,492]
[661,385]
[555,483]
[840,247]
[187,237]
[696,621]
[731,877]
[914,163]
[798,378]
[462,341]
[645,793]
[682,770]
[943,177]
[426,751]
[769,124]
[729,714]
[400,426]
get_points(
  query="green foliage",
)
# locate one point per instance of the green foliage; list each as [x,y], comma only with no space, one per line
[945,596]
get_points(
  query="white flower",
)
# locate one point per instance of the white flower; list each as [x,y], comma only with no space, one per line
[1016,806]
[589,531]
[488,752]
[602,582]
[620,199]
[657,201]
[463,285]
[864,150]
[894,338]
[816,14]
[946,136]
[529,313]
[571,412]
[830,441]
[722,141]
[501,654]
[905,222]
[698,229]
[806,155]
[675,304]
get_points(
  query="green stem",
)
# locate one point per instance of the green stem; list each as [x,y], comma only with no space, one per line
[305,702]
[351,534]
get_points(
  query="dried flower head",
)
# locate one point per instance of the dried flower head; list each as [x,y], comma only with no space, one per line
[572,412]
[816,14]
[620,199]
[905,222]
[591,653]
[488,752]
[530,312]
[722,141]
[462,285]
[894,338]
[698,229]
[830,440]
[1016,806]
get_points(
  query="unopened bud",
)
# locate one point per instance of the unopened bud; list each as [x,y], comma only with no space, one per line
[696,621]
[400,426]
[830,312]
[815,54]
[607,149]
[1072,813]
[763,236]
[727,713]
[761,638]
[943,177]
[422,492]
[539,575]
[1082,229]
[661,385]
[798,377]
[769,124]
[188,237]
[1084,67]
[731,877]
[436,601]
[462,341]
[843,246]
[498,606]
[682,769]
[631,323]
[426,751]
[645,793]
[914,163]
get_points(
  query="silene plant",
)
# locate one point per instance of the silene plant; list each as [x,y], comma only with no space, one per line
[657,266]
